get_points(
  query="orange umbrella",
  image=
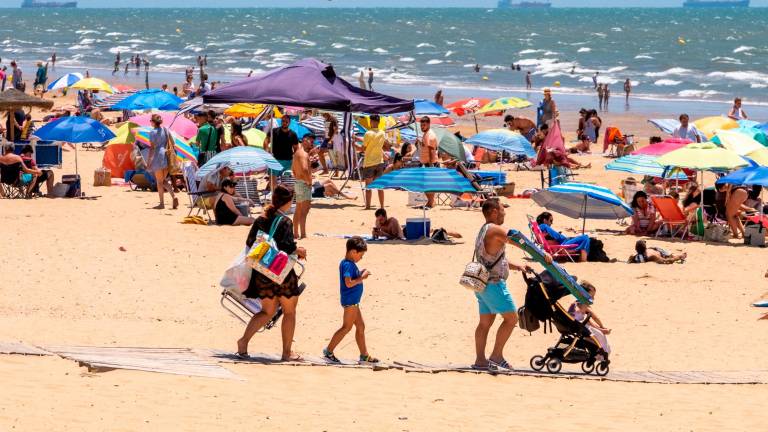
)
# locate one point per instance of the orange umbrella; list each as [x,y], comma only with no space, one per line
[467,106]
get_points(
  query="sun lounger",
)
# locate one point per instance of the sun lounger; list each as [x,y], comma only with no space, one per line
[672,216]
[557,251]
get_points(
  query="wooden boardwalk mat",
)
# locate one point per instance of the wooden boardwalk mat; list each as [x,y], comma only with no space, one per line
[273,359]
[20,348]
[177,361]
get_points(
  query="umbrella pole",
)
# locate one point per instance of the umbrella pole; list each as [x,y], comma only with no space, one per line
[584,223]
[474,117]
[11,118]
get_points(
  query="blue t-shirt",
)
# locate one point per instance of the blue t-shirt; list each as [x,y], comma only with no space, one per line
[349,296]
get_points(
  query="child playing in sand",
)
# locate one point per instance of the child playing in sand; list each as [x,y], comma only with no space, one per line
[581,312]
[351,279]
[645,254]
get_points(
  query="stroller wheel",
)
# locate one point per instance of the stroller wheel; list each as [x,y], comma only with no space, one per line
[602,369]
[537,363]
[588,367]
[554,365]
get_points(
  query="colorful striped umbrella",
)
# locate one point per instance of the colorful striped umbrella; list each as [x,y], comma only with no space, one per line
[582,201]
[183,149]
[503,104]
[243,161]
[467,106]
[94,84]
[643,165]
[424,180]
[65,81]
[503,140]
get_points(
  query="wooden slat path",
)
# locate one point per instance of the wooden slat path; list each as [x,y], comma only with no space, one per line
[21,348]
[273,359]
[177,361]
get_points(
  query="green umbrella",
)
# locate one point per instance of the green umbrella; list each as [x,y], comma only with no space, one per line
[450,143]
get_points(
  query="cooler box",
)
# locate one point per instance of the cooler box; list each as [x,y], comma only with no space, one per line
[415,228]
[498,178]
[73,185]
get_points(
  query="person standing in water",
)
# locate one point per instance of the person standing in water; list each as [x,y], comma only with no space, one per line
[53,60]
[370,79]
[528,81]
[737,113]
[627,89]
[361,80]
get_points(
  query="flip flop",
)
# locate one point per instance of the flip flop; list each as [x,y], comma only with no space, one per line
[478,368]
[499,366]
[293,358]
[242,356]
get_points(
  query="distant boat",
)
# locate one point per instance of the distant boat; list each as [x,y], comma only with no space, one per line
[715,3]
[507,4]
[47,4]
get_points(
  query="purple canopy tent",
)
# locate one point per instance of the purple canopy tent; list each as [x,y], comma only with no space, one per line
[311,84]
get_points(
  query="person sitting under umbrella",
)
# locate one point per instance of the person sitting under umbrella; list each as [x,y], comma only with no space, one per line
[545,220]
[644,221]
[225,209]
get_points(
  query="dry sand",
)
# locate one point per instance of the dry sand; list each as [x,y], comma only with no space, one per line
[66,282]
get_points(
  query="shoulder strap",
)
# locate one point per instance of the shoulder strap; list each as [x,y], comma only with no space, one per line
[273,228]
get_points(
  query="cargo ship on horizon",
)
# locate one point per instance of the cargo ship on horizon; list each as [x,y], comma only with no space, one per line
[507,4]
[36,4]
[715,3]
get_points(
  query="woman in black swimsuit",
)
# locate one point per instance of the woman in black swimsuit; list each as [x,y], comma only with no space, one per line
[270,293]
[225,210]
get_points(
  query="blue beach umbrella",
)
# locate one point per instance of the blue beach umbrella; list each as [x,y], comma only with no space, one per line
[299,129]
[582,201]
[754,133]
[423,107]
[643,165]
[748,123]
[242,160]
[751,175]
[503,140]
[424,180]
[75,130]
[65,81]
[149,99]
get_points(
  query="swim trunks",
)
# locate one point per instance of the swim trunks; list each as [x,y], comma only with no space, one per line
[303,191]
[495,299]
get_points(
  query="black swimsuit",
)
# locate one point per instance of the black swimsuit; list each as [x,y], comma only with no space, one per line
[224,216]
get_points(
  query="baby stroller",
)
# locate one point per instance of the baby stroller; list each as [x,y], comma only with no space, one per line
[576,344]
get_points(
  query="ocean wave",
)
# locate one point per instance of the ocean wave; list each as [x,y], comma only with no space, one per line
[728,60]
[744,76]
[114,34]
[448,53]
[240,70]
[617,29]
[758,86]
[743,48]
[80,47]
[675,71]
[434,62]
[407,59]
[667,82]
[304,42]
[136,41]
[614,69]
[260,51]
[584,50]
[380,50]
[469,41]
[529,51]
[169,67]
[84,32]
[194,48]
[86,41]
[698,93]
[338,45]
[425,45]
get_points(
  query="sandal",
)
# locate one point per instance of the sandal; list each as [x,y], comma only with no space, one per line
[368,359]
[499,366]
[329,357]
[478,367]
[242,356]
[293,358]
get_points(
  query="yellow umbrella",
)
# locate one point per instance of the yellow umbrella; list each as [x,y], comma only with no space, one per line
[702,156]
[760,156]
[94,84]
[239,110]
[503,104]
[384,123]
[124,135]
[737,141]
[254,136]
[710,125]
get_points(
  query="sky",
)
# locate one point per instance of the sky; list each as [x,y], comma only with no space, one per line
[359,3]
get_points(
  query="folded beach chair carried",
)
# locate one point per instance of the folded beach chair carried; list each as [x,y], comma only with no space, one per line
[555,249]
[672,217]
[197,199]
[140,180]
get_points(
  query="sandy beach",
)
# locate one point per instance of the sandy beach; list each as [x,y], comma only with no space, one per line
[111,271]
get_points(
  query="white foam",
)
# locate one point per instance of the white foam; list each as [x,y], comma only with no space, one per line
[304,42]
[667,82]
[758,86]
[584,49]
[425,45]
[744,76]
[170,67]
[380,50]
[114,50]
[115,34]
[675,71]
[529,51]
[600,35]
[616,29]
[728,60]
[86,41]
[698,93]
[136,41]
[80,47]
[469,41]
[434,62]
[239,70]
[338,45]
[743,48]
[407,59]
[448,53]
[84,32]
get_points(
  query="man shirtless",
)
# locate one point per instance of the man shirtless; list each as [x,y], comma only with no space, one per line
[303,188]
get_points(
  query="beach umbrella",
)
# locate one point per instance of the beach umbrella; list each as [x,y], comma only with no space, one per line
[124,134]
[736,141]
[181,125]
[702,156]
[450,143]
[467,106]
[643,165]
[184,151]
[423,107]
[75,130]
[751,175]
[12,100]
[149,99]
[122,88]
[254,136]
[443,120]
[93,84]
[240,110]
[582,201]
[65,81]
[503,140]
[663,147]
[503,104]
[747,123]
[243,161]
[665,125]
[710,125]
[754,133]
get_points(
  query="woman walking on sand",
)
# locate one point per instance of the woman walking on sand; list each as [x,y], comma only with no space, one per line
[157,162]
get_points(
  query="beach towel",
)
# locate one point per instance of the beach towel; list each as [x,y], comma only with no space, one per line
[612,135]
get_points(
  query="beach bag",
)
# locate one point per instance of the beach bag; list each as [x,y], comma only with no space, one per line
[238,275]
[527,320]
[475,276]
[170,153]
[715,233]
[272,264]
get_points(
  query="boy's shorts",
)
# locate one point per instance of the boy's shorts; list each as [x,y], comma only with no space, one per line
[496,299]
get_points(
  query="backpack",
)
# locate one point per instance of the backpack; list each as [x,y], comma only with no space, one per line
[527,320]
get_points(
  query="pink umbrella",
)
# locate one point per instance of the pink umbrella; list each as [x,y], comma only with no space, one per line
[662,148]
[181,125]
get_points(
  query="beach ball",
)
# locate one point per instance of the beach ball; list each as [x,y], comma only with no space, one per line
[557,83]
[681,41]
[178,30]
[485,78]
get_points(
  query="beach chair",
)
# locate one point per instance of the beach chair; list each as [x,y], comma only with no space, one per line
[244,308]
[484,187]
[672,216]
[556,174]
[197,199]
[13,183]
[248,188]
[557,251]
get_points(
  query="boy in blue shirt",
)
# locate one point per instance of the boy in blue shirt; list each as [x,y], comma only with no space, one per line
[351,280]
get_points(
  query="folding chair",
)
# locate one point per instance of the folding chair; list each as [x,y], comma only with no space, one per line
[671,215]
[557,251]
[197,199]
[12,181]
